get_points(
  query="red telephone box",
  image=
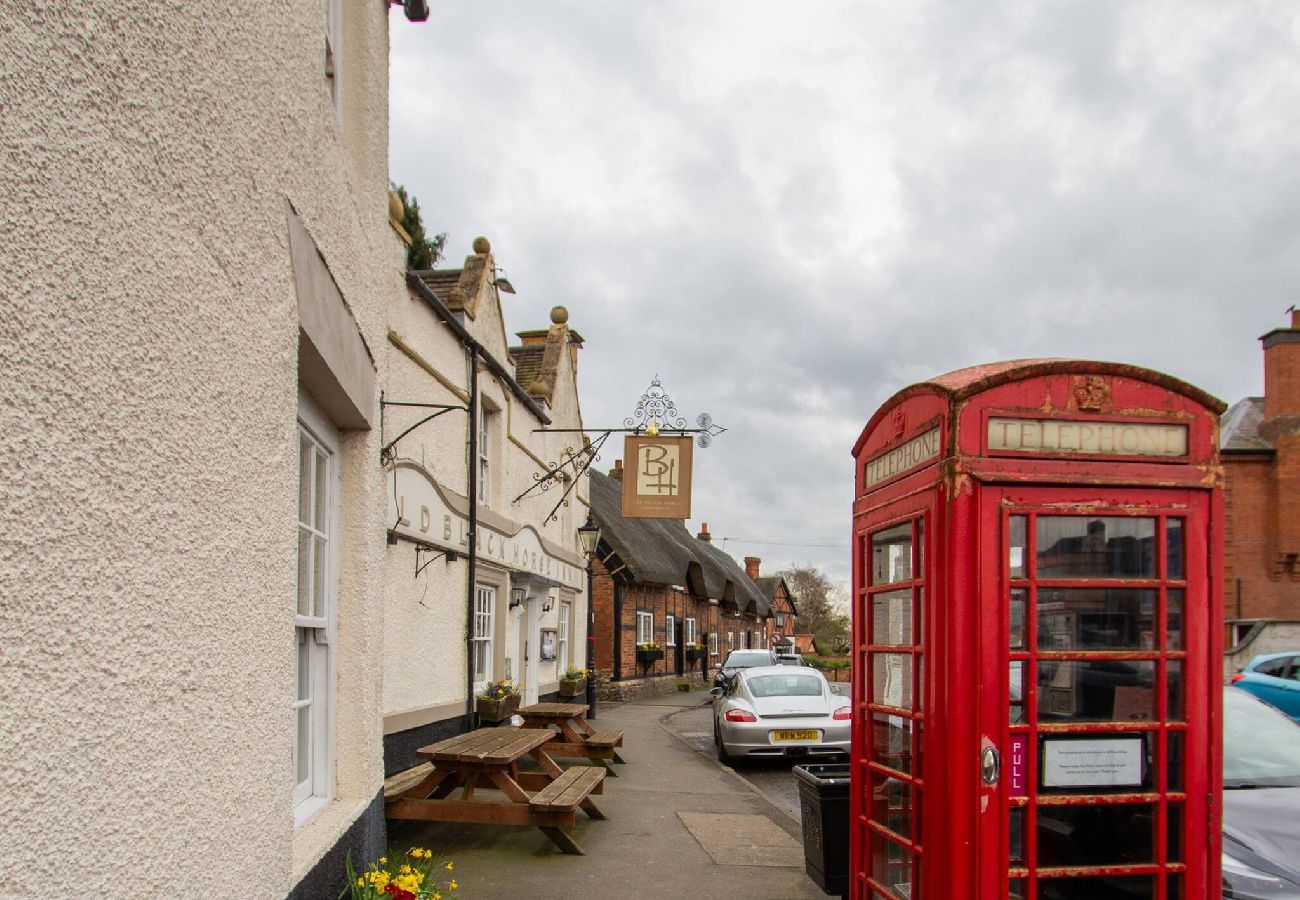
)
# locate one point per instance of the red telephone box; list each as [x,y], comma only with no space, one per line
[1037,678]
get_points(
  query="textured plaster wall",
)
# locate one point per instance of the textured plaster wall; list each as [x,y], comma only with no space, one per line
[147,437]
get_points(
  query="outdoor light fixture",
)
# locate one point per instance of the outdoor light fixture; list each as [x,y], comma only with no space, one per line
[549,603]
[501,281]
[516,598]
[589,536]
[416,10]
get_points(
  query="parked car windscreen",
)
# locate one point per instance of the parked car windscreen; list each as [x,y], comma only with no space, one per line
[1261,746]
[785,686]
[744,659]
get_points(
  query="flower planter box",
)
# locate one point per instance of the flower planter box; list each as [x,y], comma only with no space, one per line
[646,657]
[496,710]
[573,688]
[696,655]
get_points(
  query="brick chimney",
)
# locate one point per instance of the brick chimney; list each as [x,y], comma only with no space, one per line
[704,533]
[617,472]
[751,566]
[1281,427]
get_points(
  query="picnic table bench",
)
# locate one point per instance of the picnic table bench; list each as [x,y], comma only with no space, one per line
[577,738]
[488,758]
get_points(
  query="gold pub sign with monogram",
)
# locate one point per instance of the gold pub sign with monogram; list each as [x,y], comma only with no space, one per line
[657,477]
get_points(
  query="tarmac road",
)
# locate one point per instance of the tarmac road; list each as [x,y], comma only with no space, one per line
[772,777]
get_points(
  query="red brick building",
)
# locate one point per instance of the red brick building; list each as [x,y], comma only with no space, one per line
[1259,439]
[782,611]
[668,606]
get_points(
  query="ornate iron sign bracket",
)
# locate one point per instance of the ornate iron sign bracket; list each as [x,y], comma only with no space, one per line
[388,451]
[655,414]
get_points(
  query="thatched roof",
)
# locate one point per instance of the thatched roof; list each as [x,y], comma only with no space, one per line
[662,551]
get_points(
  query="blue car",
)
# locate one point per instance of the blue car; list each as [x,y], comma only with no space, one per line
[1275,679]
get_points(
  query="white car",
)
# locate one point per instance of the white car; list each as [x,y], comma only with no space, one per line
[779,711]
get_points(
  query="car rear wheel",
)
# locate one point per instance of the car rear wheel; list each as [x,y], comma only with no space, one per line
[723,755]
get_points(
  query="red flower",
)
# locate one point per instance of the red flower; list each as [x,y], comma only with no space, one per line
[397,893]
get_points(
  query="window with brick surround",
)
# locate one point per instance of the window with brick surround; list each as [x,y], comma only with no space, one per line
[690,630]
[670,630]
[645,627]
[713,643]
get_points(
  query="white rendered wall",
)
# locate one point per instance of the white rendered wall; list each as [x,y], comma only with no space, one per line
[147,436]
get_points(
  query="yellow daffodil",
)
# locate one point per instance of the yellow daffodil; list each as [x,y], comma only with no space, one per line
[405,870]
[383,859]
[451,885]
[449,866]
[361,882]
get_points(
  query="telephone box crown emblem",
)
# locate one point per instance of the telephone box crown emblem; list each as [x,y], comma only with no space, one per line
[1091,393]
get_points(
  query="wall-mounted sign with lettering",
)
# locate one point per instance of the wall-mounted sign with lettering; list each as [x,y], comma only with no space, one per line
[903,458]
[1071,437]
[657,478]
[1103,762]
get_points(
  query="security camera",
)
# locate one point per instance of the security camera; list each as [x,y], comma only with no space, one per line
[416,10]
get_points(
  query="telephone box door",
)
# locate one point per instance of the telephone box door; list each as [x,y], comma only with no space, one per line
[1099,695]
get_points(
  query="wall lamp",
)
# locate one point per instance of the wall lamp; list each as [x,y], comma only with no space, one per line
[416,10]
[549,603]
[516,598]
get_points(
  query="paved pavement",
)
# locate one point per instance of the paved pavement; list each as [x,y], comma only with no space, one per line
[772,777]
[678,824]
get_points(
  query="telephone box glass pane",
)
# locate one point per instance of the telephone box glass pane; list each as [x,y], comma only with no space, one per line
[1174,683]
[891,742]
[1016,836]
[1174,760]
[891,865]
[891,680]
[891,555]
[1102,690]
[1174,619]
[1016,890]
[1174,833]
[1174,549]
[1016,691]
[1096,619]
[1127,887]
[1096,547]
[891,617]
[1096,764]
[1017,631]
[1016,561]
[891,803]
[1096,836]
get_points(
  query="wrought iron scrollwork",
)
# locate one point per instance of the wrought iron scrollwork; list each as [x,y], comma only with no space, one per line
[655,407]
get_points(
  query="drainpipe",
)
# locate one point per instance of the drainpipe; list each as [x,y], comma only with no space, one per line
[473,537]
[617,629]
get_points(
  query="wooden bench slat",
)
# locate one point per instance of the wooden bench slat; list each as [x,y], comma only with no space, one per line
[569,790]
[405,780]
[608,738]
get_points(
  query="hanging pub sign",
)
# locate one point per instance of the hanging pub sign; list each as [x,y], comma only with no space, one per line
[657,477]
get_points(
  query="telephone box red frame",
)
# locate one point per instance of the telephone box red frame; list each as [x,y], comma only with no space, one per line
[934,695]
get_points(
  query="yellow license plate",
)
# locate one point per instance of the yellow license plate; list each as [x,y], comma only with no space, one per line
[795,735]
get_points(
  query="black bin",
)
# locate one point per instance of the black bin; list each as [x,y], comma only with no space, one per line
[824,798]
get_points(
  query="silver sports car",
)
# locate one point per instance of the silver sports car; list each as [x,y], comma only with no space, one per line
[779,711]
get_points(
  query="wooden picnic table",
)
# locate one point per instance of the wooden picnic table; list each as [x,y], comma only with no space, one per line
[489,758]
[579,739]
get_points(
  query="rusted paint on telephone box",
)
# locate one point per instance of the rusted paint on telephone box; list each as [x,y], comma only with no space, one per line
[1036,595]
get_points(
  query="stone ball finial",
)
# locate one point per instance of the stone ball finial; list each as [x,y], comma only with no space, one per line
[481,245]
[559,315]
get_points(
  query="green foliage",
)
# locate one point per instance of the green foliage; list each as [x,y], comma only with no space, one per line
[424,252]
[820,605]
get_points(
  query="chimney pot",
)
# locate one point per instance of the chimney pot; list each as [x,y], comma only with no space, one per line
[704,533]
[752,564]
[617,472]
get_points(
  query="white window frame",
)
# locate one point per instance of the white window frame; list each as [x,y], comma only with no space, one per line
[670,630]
[562,636]
[731,641]
[744,640]
[691,634]
[780,620]
[645,626]
[485,605]
[334,51]
[484,454]
[314,629]
[713,643]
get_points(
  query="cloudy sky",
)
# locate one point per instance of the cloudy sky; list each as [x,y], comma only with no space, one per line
[789,211]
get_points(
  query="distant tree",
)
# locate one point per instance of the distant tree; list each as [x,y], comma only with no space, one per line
[821,607]
[424,252]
